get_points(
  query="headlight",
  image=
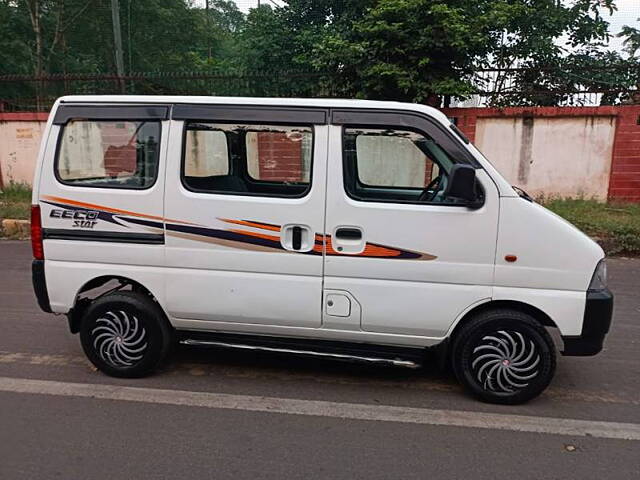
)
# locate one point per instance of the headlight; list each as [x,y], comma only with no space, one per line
[599,279]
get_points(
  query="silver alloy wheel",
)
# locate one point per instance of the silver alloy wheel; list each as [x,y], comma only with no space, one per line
[119,339]
[505,362]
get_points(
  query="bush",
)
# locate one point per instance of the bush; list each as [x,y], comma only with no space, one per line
[15,201]
[615,226]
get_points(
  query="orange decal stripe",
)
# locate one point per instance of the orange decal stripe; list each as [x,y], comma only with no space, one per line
[376,251]
[247,223]
[94,206]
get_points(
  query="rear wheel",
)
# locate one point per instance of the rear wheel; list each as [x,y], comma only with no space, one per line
[125,334]
[504,356]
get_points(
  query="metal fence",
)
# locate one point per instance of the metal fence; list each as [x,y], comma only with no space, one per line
[488,87]
[27,93]
[556,87]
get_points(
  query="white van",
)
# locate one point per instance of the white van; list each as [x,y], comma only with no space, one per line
[356,230]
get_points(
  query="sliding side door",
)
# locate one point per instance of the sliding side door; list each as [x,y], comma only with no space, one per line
[244,203]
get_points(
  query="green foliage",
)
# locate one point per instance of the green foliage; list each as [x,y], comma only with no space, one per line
[16,192]
[412,50]
[631,37]
[14,29]
[616,226]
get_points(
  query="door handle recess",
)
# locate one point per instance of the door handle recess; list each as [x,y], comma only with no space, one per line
[296,238]
[349,233]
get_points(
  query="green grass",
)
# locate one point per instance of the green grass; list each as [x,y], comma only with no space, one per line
[15,201]
[615,226]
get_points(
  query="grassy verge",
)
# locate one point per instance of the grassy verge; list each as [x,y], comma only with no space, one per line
[15,202]
[616,227]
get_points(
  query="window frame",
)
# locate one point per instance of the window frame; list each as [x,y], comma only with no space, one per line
[404,121]
[245,172]
[98,119]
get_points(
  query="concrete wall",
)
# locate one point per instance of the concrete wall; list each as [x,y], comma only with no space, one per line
[562,157]
[484,126]
[592,151]
[20,136]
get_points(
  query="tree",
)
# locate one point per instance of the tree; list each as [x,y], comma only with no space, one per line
[631,41]
[632,46]
[14,51]
[414,49]
[50,19]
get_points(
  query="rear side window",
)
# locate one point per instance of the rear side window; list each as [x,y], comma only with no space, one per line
[269,160]
[116,154]
[206,153]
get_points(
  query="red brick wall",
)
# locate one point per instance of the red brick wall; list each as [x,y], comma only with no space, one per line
[24,117]
[624,182]
[279,158]
[119,155]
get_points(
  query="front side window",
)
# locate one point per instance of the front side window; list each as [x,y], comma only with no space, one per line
[247,159]
[394,165]
[109,154]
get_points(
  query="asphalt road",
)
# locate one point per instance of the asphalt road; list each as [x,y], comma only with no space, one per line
[219,414]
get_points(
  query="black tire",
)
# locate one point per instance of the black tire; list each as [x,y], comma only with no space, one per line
[503,356]
[125,334]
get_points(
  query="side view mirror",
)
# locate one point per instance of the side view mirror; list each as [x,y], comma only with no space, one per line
[462,186]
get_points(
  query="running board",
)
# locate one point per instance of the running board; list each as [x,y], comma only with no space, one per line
[361,357]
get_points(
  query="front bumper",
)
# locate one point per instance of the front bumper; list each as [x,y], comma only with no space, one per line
[595,325]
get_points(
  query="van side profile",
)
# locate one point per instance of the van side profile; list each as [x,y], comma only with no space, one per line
[356,230]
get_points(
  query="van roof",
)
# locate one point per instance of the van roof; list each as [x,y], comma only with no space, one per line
[290,102]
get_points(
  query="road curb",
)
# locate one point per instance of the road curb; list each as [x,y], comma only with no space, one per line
[15,228]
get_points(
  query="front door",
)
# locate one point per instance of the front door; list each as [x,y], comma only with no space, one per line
[244,200]
[411,259]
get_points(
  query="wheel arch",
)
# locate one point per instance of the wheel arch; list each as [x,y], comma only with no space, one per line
[443,349]
[81,303]
[542,317]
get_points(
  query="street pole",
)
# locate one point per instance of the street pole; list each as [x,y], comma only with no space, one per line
[117,40]
[208,29]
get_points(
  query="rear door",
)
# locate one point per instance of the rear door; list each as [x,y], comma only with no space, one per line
[101,190]
[245,196]
[402,259]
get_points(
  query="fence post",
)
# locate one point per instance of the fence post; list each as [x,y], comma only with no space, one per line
[117,40]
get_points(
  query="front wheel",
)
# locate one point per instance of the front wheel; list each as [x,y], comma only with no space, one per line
[125,334]
[504,356]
